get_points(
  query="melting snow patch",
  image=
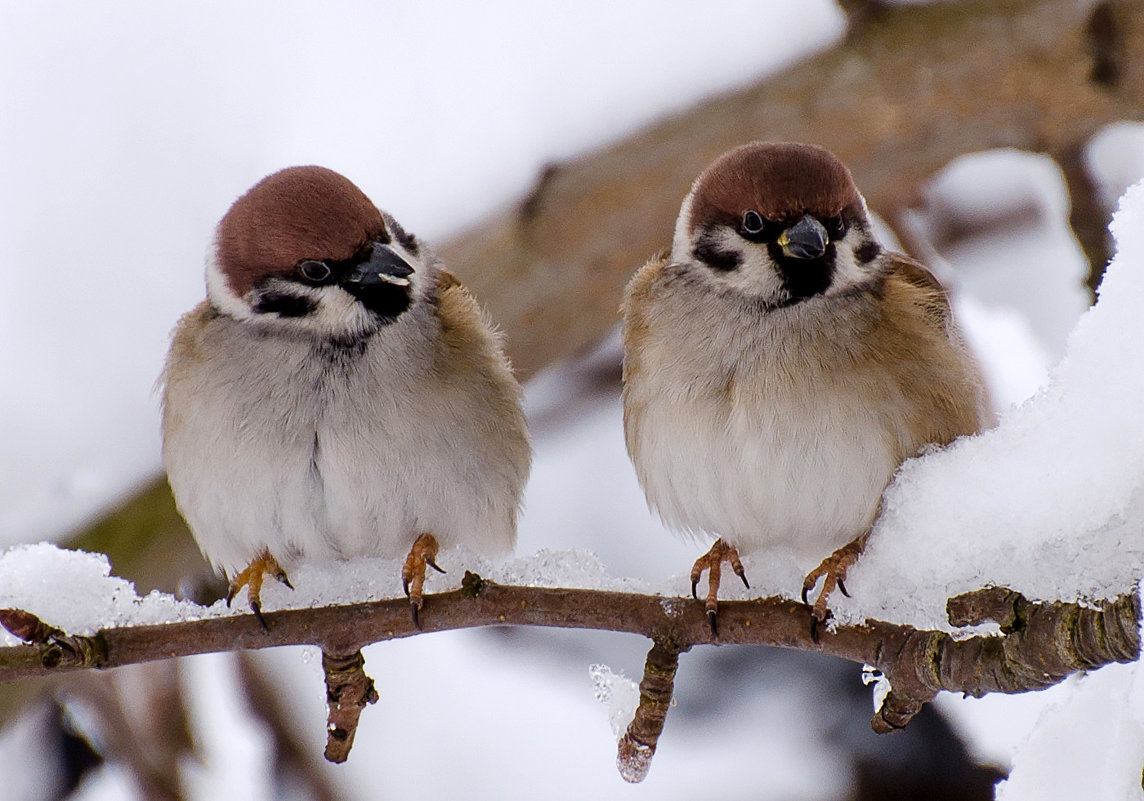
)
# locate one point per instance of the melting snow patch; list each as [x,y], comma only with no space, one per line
[619,695]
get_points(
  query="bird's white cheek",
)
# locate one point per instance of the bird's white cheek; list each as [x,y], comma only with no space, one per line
[681,239]
[222,297]
[336,314]
[848,271]
[339,312]
[756,275]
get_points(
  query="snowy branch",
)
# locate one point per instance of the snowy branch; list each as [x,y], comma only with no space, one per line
[1040,643]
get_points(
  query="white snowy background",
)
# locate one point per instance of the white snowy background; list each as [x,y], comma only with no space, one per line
[125,132]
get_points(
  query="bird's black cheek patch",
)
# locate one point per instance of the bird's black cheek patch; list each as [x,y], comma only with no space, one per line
[709,253]
[406,239]
[867,252]
[284,304]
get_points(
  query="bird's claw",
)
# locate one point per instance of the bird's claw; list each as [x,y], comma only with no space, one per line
[256,608]
[423,554]
[712,562]
[815,622]
[832,571]
[251,577]
[737,566]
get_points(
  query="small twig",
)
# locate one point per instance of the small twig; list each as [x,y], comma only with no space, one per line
[1043,643]
[638,744]
[348,690]
[860,13]
[54,648]
[996,604]
[530,206]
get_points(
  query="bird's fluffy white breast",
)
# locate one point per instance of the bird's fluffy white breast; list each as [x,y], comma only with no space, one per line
[739,426]
[331,455]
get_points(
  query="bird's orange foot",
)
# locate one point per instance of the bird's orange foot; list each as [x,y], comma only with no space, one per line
[832,571]
[263,565]
[712,562]
[422,554]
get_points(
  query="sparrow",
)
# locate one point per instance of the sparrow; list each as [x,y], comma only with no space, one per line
[780,364]
[338,394]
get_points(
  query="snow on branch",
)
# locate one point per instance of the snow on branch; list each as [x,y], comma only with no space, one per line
[1039,645]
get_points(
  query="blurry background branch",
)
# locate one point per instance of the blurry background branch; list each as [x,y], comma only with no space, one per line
[910,89]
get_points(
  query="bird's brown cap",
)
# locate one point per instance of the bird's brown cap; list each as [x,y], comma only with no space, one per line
[780,180]
[294,214]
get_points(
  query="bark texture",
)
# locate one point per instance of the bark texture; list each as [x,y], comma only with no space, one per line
[348,691]
[637,746]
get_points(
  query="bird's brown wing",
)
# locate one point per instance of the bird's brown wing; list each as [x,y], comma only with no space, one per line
[447,280]
[930,294]
[633,311]
[637,292]
[467,336]
[927,294]
[470,350]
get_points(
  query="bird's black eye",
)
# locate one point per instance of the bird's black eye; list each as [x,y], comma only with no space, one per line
[835,227]
[752,222]
[314,270]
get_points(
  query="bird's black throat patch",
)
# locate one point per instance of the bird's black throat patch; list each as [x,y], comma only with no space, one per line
[803,278]
[386,301]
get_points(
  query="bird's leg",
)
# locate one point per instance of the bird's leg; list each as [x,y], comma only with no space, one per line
[262,565]
[422,554]
[712,562]
[832,571]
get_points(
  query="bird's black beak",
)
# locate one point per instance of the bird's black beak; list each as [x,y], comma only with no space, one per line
[384,266]
[806,239]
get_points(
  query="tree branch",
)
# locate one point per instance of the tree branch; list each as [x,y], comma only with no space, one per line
[1040,643]
[639,742]
[348,690]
